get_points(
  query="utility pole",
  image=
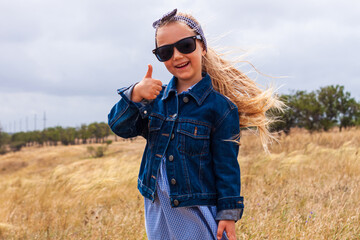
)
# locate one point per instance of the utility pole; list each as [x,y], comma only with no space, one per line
[35,122]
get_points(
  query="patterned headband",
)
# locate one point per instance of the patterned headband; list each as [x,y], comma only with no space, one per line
[172,16]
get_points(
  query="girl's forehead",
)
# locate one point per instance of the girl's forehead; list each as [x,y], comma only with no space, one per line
[173,32]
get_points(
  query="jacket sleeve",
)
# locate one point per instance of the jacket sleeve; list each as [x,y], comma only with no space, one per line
[127,118]
[226,167]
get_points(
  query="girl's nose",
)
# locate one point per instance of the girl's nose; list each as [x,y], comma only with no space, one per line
[177,54]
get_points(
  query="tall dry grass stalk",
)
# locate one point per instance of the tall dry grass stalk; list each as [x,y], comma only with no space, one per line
[307,189]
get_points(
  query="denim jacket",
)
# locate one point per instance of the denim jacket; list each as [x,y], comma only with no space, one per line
[194,131]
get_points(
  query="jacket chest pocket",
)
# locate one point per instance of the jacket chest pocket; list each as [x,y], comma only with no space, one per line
[155,124]
[193,138]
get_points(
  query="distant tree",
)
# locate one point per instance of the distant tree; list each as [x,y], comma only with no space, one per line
[308,110]
[38,137]
[18,140]
[284,120]
[330,99]
[84,133]
[52,135]
[4,141]
[104,130]
[357,114]
[99,131]
[349,112]
[68,136]
[93,130]
[348,109]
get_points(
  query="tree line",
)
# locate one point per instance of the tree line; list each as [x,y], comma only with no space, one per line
[92,133]
[318,110]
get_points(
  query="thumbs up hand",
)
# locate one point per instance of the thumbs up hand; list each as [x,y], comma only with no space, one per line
[147,88]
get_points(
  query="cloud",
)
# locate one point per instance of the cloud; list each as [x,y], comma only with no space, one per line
[65,111]
[55,53]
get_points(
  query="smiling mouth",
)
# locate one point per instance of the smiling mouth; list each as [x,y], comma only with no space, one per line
[182,65]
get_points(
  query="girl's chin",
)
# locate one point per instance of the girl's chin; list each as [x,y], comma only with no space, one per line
[184,77]
[188,78]
[181,73]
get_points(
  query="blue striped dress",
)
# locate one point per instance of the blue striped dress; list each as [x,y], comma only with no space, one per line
[164,222]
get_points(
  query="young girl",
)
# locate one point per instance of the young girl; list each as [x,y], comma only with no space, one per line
[189,174]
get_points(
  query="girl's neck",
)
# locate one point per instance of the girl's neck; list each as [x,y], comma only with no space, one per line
[184,85]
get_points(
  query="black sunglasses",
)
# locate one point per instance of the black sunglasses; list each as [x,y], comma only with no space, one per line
[185,45]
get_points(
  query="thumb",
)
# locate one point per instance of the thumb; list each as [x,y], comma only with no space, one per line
[149,71]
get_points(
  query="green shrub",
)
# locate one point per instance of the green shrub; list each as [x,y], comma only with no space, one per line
[17,145]
[97,152]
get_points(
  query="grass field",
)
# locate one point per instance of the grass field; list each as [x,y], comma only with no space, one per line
[308,188]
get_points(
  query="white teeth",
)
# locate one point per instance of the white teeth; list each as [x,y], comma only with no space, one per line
[182,65]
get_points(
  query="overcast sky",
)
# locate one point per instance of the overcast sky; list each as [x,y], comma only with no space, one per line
[68,57]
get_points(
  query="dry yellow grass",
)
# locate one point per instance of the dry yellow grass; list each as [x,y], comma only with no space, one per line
[307,189]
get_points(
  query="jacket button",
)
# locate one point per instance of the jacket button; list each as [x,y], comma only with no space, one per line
[171,158]
[173,181]
[185,99]
[176,202]
[172,136]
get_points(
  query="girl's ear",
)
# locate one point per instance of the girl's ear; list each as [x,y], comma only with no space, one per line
[203,53]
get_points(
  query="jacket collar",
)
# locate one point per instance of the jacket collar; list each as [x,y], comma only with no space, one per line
[199,92]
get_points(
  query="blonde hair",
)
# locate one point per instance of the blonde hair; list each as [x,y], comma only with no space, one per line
[252,102]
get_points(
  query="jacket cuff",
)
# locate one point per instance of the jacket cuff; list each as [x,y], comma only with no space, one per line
[230,203]
[127,91]
[230,214]
[143,105]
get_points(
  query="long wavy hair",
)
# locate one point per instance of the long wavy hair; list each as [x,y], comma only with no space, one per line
[252,102]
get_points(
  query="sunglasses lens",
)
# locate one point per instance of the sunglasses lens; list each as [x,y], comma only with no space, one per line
[164,53]
[186,45]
